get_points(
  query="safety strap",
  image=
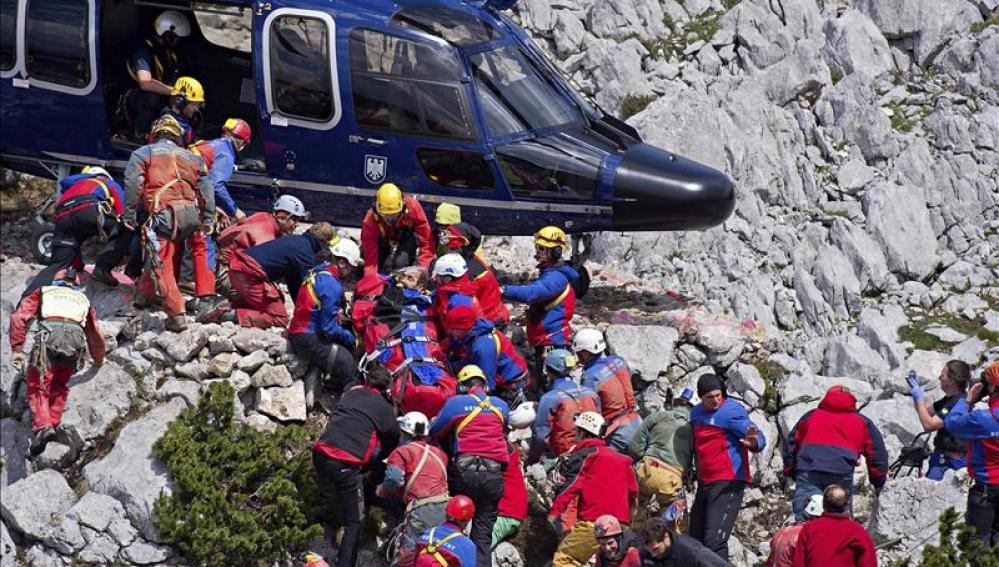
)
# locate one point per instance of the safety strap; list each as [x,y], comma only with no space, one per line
[411,361]
[561,297]
[484,404]
[433,546]
[310,286]
[419,468]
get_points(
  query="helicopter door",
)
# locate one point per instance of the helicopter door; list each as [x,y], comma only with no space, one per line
[49,79]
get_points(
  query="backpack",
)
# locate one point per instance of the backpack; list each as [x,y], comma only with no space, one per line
[563,427]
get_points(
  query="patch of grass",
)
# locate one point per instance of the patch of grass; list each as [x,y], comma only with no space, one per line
[916,334]
[633,104]
[679,38]
[898,120]
[771,372]
[982,26]
[991,338]
[729,4]
[836,75]
[897,76]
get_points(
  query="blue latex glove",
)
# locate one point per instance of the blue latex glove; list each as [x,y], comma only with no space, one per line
[914,389]
[557,526]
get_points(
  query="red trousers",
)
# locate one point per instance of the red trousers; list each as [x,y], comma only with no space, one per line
[49,399]
[258,303]
[169,255]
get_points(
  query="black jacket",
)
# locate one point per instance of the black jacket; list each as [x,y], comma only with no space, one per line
[289,258]
[684,552]
[362,420]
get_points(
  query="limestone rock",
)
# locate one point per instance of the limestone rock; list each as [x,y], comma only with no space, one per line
[899,221]
[896,420]
[187,390]
[506,555]
[908,510]
[223,364]
[270,375]
[55,456]
[855,45]
[970,350]
[193,370]
[35,505]
[283,404]
[252,340]
[926,24]
[722,341]
[218,345]
[130,473]
[240,381]
[880,330]
[261,423]
[7,548]
[181,347]
[14,438]
[851,356]
[251,362]
[100,548]
[801,72]
[864,253]
[857,113]
[745,380]
[96,398]
[145,553]
[648,350]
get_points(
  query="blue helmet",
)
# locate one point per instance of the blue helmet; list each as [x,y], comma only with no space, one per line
[560,361]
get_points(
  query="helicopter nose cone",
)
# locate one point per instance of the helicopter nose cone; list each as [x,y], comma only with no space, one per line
[657,190]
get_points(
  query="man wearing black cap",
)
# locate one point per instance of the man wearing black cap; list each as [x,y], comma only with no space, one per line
[723,437]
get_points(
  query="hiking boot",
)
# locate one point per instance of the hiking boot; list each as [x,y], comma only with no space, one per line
[104,276]
[218,310]
[40,439]
[186,287]
[142,302]
[176,323]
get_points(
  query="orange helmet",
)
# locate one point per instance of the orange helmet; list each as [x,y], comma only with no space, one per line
[460,508]
[607,526]
[239,129]
[993,374]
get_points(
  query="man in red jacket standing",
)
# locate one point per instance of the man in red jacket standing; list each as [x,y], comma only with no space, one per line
[834,539]
[605,485]
[513,505]
[395,233]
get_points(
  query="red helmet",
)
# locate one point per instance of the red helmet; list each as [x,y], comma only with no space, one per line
[606,526]
[239,128]
[993,374]
[460,508]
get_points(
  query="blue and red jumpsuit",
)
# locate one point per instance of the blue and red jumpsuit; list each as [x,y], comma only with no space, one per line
[610,377]
[494,353]
[981,429]
[316,329]
[553,423]
[445,546]
[552,302]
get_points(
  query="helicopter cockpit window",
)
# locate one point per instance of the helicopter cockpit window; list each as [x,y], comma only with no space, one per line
[549,168]
[58,42]
[407,87]
[8,33]
[301,80]
[453,26]
[515,96]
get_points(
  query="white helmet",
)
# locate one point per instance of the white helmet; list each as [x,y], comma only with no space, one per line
[347,249]
[450,265]
[523,416]
[290,205]
[814,507]
[172,20]
[412,421]
[95,170]
[591,422]
[589,340]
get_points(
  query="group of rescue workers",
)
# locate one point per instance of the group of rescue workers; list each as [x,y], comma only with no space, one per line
[428,382]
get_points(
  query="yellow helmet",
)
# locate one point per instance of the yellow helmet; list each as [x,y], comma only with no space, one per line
[189,88]
[388,199]
[469,372]
[550,237]
[164,126]
[447,214]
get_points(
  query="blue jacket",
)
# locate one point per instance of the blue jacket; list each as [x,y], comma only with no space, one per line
[553,303]
[459,550]
[67,191]
[717,442]
[223,166]
[561,389]
[981,429]
[478,347]
[322,318]
[289,258]
[484,435]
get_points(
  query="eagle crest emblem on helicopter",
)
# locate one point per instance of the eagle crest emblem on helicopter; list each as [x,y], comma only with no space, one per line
[374,168]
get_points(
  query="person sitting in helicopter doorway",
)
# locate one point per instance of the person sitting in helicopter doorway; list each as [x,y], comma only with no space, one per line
[948,451]
[90,204]
[187,98]
[155,67]
[395,233]
[67,323]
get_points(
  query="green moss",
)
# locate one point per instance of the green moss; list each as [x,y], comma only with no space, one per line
[991,338]
[982,26]
[633,104]
[898,120]
[772,373]
[729,4]
[836,75]
[916,333]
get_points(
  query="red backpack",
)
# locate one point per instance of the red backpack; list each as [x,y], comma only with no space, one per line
[563,427]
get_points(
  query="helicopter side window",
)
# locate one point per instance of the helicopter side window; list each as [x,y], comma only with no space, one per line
[456,168]
[407,87]
[299,59]
[8,34]
[58,42]
[549,168]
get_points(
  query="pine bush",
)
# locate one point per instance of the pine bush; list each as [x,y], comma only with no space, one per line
[957,547]
[240,497]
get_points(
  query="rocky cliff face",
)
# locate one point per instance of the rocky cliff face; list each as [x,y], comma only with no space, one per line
[862,137]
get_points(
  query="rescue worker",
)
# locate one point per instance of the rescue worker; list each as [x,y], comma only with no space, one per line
[948,451]
[67,323]
[255,271]
[605,484]
[551,297]
[785,540]
[723,437]
[618,547]
[554,426]
[664,547]
[513,506]
[447,545]
[447,214]
[981,429]
[465,240]
[610,377]
[90,204]
[452,288]
[395,233]
[316,331]
[155,66]
[826,444]
[663,447]
[362,427]
[476,341]
[416,472]
[258,228]
[168,182]
[834,538]
[475,423]
[187,98]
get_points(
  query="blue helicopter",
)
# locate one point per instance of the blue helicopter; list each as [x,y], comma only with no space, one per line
[449,99]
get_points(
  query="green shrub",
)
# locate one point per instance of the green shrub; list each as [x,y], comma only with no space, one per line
[633,104]
[982,26]
[241,497]
[957,547]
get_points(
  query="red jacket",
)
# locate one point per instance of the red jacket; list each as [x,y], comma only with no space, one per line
[514,501]
[487,290]
[373,229]
[605,485]
[782,546]
[31,307]
[430,479]
[834,540]
[256,229]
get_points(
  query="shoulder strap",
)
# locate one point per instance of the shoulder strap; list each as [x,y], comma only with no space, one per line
[484,404]
[310,286]
[427,452]
[433,546]
[559,299]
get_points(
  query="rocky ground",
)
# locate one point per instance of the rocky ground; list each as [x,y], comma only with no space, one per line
[862,137]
